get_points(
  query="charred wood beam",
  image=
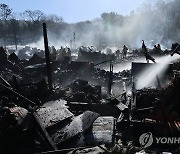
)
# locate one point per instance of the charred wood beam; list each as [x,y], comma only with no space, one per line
[110,79]
[104,149]
[48,66]
[10,89]
[65,150]
[144,109]
[102,62]
[6,82]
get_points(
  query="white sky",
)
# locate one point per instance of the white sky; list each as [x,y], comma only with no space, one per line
[75,10]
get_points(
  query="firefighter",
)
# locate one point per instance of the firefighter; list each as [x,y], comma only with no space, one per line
[146,54]
[159,48]
[124,53]
[118,54]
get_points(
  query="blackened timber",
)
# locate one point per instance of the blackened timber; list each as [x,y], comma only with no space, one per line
[10,89]
[102,62]
[47,57]
[7,83]
[110,79]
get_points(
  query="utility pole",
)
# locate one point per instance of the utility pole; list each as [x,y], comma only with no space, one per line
[74,37]
[110,78]
[48,66]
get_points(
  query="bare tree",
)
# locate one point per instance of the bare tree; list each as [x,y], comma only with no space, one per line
[5,13]
[33,16]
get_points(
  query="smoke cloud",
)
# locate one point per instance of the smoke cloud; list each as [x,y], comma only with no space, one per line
[155,22]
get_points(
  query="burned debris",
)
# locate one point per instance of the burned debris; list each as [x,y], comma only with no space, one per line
[60,104]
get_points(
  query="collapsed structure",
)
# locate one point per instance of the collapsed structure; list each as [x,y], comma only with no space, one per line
[67,106]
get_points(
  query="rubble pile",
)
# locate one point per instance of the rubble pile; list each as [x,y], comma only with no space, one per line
[94,76]
[81,91]
[87,110]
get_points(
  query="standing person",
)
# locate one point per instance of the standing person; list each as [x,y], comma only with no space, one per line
[124,51]
[159,49]
[118,54]
[146,54]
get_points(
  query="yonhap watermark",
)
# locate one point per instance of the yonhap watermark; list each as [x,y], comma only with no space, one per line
[167,140]
[147,139]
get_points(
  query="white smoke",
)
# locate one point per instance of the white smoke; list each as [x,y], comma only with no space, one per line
[149,23]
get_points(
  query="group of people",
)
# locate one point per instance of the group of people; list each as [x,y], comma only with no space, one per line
[66,52]
[157,49]
[175,49]
[63,53]
[144,50]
